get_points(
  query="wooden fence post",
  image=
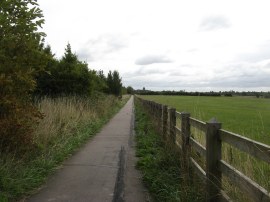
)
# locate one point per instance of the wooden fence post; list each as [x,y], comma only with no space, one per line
[185,129]
[152,106]
[160,117]
[172,124]
[168,126]
[213,155]
[164,121]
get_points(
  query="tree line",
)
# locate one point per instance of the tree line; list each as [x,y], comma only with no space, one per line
[197,93]
[70,76]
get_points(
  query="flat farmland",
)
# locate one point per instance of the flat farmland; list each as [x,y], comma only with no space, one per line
[247,116]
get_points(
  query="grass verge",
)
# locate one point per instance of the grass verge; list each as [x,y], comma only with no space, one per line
[68,123]
[161,167]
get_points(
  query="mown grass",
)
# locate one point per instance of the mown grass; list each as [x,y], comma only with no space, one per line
[246,116]
[161,166]
[69,122]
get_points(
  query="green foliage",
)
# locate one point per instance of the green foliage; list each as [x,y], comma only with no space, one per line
[72,75]
[123,90]
[21,56]
[69,76]
[44,79]
[100,81]
[130,90]
[114,83]
[160,166]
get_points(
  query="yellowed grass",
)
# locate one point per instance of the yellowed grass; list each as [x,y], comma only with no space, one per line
[63,116]
[253,168]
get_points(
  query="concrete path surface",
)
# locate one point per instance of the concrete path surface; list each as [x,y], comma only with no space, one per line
[103,170]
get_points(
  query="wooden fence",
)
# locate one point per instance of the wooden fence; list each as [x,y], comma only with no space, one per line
[166,117]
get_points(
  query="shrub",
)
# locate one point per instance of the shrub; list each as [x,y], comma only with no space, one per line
[21,56]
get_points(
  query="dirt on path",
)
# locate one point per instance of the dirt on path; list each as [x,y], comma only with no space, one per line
[103,170]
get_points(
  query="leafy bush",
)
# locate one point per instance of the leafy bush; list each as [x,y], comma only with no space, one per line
[21,56]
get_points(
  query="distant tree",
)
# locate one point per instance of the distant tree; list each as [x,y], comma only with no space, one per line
[101,83]
[72,75]
[21,57]
[45,80]
[130,90]
[110,82]
[257,95]
[123,90]
[69,76]
[114,83]
[117,81]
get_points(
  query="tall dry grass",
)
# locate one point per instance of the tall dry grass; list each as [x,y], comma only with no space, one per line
[64,116]
[68,122]
[255,169]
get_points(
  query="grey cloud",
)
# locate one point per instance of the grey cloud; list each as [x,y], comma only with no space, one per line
[152,59]
[179,74]
[102,46]
[262,53]
[138,83]
[232,83]
[109,42]
[85,55]
[242,81]
[214,23]
[192,50]
[244,76]
[150,70]
[145,71]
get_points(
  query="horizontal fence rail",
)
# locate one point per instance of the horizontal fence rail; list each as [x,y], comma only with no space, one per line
[165,119]
[256,149]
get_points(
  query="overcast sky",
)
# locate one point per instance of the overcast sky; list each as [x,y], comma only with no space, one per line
[167,44]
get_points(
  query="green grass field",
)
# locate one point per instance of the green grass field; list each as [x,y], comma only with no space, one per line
[247,116]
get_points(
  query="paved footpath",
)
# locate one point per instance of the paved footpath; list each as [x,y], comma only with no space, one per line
[103,170]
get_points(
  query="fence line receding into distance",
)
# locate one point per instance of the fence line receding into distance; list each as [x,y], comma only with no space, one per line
[166,118]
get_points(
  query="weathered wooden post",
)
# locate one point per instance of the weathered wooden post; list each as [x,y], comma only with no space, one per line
[185,129]
[155,113]
[168,134]
[172,133]
[160,118]
[164,121]
[213,155]
[152,104]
